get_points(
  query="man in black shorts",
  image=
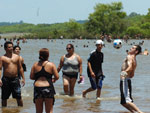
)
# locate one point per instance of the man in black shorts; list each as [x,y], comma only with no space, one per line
[10,83]
[127,72]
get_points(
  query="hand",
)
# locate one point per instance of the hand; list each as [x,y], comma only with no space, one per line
[23,82]
[123,75]
[103,76]
[1,83]
[92,75]
[53,80]
[81,78]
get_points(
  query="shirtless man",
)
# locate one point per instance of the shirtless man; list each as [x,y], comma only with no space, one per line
[127,72]
[10,83]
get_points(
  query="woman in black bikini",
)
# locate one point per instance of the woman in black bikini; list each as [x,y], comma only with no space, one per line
[44,91]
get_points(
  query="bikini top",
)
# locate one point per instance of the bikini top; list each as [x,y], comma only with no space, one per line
[43,73]
[48,76]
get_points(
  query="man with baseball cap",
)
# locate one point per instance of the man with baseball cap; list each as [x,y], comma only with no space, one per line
[94,69]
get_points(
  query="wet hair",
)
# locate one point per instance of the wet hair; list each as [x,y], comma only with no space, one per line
[16,47]
[138,48]
[6,44]
[43,54]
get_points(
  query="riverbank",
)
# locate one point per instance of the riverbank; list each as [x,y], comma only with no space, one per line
[13,35]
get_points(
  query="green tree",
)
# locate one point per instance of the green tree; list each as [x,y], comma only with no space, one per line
[107,18]
[74,29]
[132,31]
[133,14]
[148,11]
[147,17]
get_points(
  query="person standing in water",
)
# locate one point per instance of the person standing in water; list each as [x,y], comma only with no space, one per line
[127,72]
[42,72]
[94,70]
[10,82]
[71,65]
[16,50]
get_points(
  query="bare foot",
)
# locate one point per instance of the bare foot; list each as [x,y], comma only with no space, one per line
[84,94]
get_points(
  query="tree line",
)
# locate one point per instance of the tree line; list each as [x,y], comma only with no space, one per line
[107,19]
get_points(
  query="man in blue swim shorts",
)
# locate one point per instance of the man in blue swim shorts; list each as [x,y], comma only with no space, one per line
[94,70]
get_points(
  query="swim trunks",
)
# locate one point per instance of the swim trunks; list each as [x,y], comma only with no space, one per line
[11,86]
[96,82]
[126,91]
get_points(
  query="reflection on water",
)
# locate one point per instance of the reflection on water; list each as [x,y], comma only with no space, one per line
[94,106]
[69,105]
[110,98]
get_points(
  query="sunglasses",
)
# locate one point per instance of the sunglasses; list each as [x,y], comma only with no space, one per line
[68,48]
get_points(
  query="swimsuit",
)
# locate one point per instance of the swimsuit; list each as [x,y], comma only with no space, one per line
[126,91]
[11,85]
[71,67]
[96,82]
[71,76]
[44,92]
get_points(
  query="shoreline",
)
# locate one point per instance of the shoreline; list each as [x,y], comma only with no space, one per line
[20,35]
[12,35]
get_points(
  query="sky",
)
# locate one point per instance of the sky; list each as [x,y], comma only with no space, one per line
[59,11]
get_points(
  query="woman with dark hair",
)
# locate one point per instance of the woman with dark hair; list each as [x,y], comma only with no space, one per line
[42,72]
[71,65]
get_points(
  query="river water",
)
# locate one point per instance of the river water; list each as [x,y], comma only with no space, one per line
[110,97]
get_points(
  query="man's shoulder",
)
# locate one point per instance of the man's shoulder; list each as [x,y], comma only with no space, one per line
[130,58]
[16,56]
[21,58]
[93,51]
[2,57]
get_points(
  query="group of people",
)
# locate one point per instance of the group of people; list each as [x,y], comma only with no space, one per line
[43,70]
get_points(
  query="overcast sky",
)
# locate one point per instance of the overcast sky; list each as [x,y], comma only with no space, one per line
[57,11]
